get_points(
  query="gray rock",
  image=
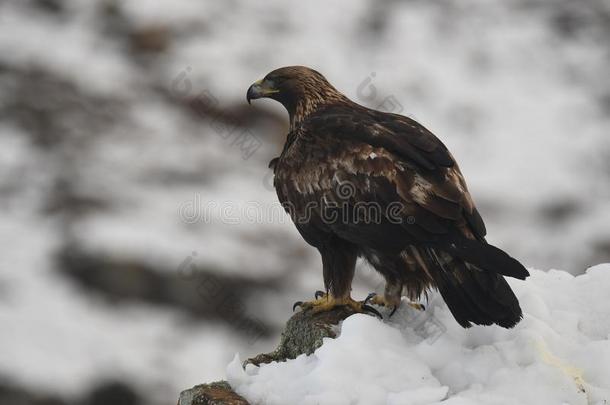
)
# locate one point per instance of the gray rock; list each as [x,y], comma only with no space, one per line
[303,334]
[216,393]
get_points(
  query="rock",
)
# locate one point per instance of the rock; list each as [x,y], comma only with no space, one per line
[112,392]
[303,334]
[103,393]
[68,116]
[202,292]
[150,39]
[14,395]
[216,393]
[51,6]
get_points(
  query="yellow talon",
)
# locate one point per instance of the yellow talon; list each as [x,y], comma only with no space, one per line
[418,306]
[384,301]
[328,302]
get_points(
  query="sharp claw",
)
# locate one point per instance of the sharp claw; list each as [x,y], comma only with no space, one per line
[423,307]
[394,310]
[372,310]
[296,304]
[368,298]
[319,294]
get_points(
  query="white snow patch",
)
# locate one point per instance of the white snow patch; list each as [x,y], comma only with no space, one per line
[558,354]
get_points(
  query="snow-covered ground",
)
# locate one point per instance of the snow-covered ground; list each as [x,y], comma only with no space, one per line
[100,156]
[558,354]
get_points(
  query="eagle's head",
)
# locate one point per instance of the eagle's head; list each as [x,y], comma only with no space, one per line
[301,91]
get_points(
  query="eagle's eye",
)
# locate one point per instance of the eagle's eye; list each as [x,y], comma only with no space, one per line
[278,80]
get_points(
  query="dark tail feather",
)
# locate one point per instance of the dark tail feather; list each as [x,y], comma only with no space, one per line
[473,295]
[486,257]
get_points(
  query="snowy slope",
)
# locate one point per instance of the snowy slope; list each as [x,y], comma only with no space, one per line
[558,354]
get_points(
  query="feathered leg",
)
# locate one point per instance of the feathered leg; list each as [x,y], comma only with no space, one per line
[338,265]
[396,270]
[390,298]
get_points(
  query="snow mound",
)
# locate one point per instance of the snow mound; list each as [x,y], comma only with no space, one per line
[558,354]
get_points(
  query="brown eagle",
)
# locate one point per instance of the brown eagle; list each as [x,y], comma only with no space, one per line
[363,183]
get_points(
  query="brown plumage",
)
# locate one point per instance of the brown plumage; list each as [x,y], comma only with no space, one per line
[363,183]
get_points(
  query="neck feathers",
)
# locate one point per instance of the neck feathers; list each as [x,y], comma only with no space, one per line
[310,101]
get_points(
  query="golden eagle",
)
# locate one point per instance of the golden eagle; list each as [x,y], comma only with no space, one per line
[363,183]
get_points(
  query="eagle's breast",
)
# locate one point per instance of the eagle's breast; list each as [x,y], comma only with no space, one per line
[313,174]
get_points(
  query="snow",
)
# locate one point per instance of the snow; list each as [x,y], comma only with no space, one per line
[558,354]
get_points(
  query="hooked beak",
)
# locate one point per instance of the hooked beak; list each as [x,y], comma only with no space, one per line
[261,88]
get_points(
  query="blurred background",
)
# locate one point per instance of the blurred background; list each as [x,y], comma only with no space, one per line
[141,243]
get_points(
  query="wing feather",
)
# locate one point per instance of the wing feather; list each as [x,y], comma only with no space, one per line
[386,159]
